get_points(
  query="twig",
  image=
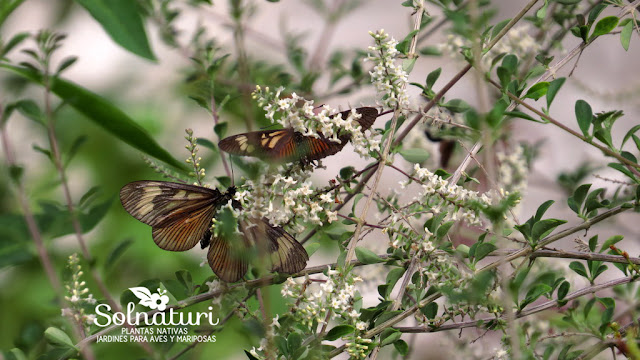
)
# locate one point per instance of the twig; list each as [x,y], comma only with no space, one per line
[536,309]
[567,129]
[35,233]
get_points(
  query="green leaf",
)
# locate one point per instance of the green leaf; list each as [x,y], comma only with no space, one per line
[625,35]
[576,200]
[607,302]
[415,155]
[537,91]
[554,86]
[206,143]
[389,336]
[16,354]
[593,242]
[611,241]
[430,310]
[636,140]
[392,278]
[623,169]
[519,278]
[294,340]
[629,134]
[584,116]
[117,251]
[44,151]
[73,150]
[14,41]
[356,199]
[367,256]
[544,227]
[456,106]
[543,209]
[599,271]
[402,347]
[185,279]
[483,250]
[15,173]
[58,338]
[563,290]
[66,63]
[7,7]
[579,268]
[104,114]
[432,77]
[510,63]
[504,75]
[122,21]
[339,331]
[430,51]
[403,46]
[31,110]
[542,12]
[595,12]
[444,229]
[604,26]
[534,293]
[407,64]
[521,115]
[281,344]
[463,250]
[221,129]
[498,27]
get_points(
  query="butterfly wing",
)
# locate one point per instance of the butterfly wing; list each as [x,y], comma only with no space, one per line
[266,144]
[310,148]
[179,214]
[285,254]
[369,116]
[230,259]
[227,262]
[287,145]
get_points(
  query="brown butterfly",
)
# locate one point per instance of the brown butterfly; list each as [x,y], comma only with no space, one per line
[180,216]
[287,145]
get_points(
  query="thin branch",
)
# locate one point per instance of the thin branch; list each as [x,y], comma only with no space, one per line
[566,128]
[533,310]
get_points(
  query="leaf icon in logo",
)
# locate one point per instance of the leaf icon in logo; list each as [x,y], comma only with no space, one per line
[144,295]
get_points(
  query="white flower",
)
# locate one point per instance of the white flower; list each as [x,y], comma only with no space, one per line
[326,198]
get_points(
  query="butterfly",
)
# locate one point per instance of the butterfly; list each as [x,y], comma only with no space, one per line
[288,145]
[180,216]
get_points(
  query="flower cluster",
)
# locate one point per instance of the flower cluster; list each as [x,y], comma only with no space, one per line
[513,172]
[300,114]
[265,344]
[389,78]
[194,159]
[459,203]
[358,347]
[516,41]
[336,294]
[284,199]
[78,295]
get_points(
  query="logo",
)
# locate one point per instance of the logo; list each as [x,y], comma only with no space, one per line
[157,301]
[161,324]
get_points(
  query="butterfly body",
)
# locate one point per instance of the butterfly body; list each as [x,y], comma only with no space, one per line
[180,217]
[287,145]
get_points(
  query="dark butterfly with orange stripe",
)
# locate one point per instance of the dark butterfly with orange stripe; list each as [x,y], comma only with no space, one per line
[287,145]
[180,216]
